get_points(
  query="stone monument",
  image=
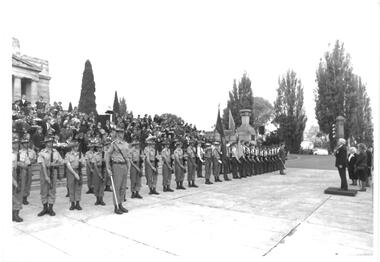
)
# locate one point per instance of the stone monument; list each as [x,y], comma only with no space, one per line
[246,131]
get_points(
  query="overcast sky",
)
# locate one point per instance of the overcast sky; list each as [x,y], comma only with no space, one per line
[182,56]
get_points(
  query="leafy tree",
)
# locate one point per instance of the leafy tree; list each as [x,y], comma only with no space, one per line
[340,92]
[262,111]
[87,97]
[241,97]
[289,112]
[123,106]
[70,107]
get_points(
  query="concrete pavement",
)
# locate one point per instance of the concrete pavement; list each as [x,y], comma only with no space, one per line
[265,215]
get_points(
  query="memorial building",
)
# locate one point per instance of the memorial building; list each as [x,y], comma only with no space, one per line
[30,76]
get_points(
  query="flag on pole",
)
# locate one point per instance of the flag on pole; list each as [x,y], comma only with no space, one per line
[219,125]
[231,122]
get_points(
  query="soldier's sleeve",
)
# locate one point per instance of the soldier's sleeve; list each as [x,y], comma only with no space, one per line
[40,158]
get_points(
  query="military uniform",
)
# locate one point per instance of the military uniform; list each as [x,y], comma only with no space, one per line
[216,163]
[166,169]
[119,154]
[19,164]
[48,157]
[178,164]
[199,159]
[234,161]
[151,175]
[31,154]
[208,163]
[97,163]
[77,163]
[135,174]
[191,166]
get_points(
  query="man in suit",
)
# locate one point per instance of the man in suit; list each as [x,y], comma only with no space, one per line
[341,162]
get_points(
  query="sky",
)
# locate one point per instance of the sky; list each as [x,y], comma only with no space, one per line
[181,57]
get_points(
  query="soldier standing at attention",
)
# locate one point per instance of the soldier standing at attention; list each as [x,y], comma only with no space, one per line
[19,165]
[98,167]
[208,163]
[234,160]
[49,158]
[150,171]
[118,153]
[31,154]
[216,161]
[191,165]
[179,168]
[89,170]
[166,167]
[200,161]
[74,163]
[135,172]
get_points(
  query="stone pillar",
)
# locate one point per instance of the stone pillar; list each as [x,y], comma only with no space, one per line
[16,88]
[245,114]
[33,92]
[339,122]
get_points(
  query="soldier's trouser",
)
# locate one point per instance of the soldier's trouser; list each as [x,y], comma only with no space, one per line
[18,193]
[216,168]
[208,163]
[135,179]
[179,173]
[199,167]
[28,182]
[75,190]
[90,177]
[119,175]
[108,181]
[98,182]
[190,170]
[234,167]
[166,175]
[48,192]
[151,177]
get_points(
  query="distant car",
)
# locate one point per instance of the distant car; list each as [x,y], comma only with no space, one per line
[320,152]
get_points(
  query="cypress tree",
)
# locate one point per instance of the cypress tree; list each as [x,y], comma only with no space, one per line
[87,96]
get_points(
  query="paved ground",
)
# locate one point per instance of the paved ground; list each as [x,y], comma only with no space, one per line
[311,162]
[266,215]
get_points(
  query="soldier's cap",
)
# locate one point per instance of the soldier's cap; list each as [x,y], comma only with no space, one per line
[134,143]
[165,142]
[73,143]
[24,141]
[233,143]
[207,144]
[216,143]
[15,140]
[177,143]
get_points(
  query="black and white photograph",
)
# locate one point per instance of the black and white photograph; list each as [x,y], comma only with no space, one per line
[168,130]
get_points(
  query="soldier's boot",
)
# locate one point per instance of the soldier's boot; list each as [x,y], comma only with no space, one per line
[50,210]
[67,192]
[108,188]
[16,216]
[150,191]
[190,183]
[164,189]
[226,178]
[181,186]
[90,191]
[133,195]
[123,209]
[97,201]
[137,195]
[355,182]
[72,207]
[44,210]
[77,206]
[117,210]
[101,202]
[217,179]
[25,200]
[178,187]
[194,185]
[168,189]
[155,192]
[208,182]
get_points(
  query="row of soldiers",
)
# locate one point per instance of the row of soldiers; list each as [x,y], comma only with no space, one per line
[110,163]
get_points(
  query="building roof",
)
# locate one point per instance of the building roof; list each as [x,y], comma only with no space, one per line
[23,63]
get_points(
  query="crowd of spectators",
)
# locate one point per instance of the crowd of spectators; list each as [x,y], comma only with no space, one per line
[36,122]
